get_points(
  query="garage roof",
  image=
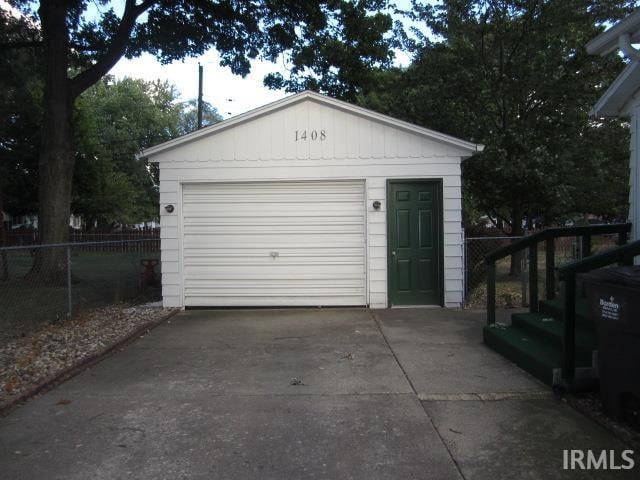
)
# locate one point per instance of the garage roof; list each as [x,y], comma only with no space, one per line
[316,97]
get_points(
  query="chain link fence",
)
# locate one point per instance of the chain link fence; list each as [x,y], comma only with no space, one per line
[512,274]
[41,284]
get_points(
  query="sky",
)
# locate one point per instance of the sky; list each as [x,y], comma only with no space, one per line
[229,93]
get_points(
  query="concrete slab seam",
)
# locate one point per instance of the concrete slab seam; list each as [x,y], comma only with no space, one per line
[278,395]
[484,397]
[435,428]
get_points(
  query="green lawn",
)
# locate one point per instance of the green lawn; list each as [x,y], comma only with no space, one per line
[98,278]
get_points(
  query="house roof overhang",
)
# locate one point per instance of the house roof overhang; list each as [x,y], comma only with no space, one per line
[614,101]
[469,147]
[608,41]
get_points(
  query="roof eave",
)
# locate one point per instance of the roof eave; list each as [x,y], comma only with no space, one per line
[614,99]
[607,41]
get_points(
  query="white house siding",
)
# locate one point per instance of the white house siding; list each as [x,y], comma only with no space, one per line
[632,109]
[264,149]
[634,178]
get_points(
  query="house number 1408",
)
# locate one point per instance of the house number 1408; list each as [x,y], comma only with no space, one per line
[301,135]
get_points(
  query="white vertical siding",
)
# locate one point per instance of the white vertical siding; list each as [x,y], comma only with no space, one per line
[377,242]
[354,148]
[634,177]
[632,108]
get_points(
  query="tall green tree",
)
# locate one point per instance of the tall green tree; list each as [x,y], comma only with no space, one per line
[189,116]
[342,62]
[19,120]
[115,120]
[78,51]
[20,114]
[514,75]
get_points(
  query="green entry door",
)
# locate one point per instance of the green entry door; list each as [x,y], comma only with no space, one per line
[415,231]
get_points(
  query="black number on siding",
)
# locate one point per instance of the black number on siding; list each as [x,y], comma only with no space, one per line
[301,135]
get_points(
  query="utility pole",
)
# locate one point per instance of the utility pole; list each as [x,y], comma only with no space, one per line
[200,69]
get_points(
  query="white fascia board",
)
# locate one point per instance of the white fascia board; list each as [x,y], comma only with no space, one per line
[614,99]
[470,147]
[607,41]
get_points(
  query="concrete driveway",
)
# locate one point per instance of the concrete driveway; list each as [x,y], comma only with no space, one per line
[288,394]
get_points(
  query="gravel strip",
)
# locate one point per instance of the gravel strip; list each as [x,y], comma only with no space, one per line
[28,361]
[589,404]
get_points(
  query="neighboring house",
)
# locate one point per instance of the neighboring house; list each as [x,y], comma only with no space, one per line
[31,221]
[23,221]
[143,225]
[622,98]
[311,201]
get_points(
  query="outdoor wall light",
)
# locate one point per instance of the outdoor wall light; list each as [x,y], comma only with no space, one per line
[376,205]
[169,208]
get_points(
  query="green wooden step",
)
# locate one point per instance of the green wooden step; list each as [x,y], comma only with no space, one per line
[555,308]
[532,352]
[550,329]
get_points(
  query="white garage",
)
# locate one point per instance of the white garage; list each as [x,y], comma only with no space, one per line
[310,201]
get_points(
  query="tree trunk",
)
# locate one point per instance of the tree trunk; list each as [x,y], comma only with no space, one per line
[515,269]
[56,157]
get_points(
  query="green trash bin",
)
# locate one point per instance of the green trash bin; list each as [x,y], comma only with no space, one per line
[614,306]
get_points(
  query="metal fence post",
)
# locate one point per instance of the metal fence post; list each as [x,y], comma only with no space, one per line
[550,269]
[585,246]
[464,268]
[491,293]
[69,299]
[533,278]
[569,332]
[524,277]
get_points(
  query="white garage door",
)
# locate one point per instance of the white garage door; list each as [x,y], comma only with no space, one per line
[274,244]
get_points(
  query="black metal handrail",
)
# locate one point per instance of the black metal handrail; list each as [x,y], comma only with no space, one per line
[623,255]
[531,242]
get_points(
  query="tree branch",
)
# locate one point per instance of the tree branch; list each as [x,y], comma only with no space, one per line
[24,44]
[119,41]
[40,44]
